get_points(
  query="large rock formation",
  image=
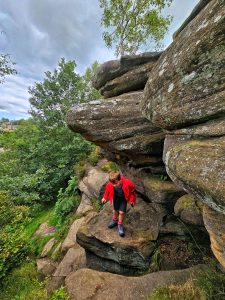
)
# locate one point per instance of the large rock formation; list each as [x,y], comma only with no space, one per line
[215,225]
[186,85]
[117,124]
[184,98]
[107,251]
[115,68]
[198,166]
[108,286]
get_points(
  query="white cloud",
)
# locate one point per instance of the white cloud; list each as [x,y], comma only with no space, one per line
[37,33]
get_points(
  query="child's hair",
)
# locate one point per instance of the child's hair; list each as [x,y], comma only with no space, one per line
[114,176]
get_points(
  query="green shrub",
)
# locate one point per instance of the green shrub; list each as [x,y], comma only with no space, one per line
[67,200]
[13,248]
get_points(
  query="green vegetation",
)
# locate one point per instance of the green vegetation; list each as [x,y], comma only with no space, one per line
[6,67]
[37,180]
[110,166]
[23,284]
[208,285]
[132,23]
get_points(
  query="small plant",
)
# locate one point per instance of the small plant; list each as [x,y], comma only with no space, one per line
[155,261]
[60,294]
[110,166]
[163,177]
[96,204]
[94,156]
[79,169]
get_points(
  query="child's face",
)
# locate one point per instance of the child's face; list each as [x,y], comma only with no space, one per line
[117,183]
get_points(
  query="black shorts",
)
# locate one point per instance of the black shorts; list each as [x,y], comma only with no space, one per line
[120,204]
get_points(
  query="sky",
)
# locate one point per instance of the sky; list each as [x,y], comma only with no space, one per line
[37,33]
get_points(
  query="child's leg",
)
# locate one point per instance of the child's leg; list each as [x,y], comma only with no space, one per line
[114,221]
[115,214]
[121,217]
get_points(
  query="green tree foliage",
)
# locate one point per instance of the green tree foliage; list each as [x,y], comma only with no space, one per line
[12,242]
[40,154]
[6,67]
[52,99]
[131,23]
[38,158]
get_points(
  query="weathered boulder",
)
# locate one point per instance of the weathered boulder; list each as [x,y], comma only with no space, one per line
[198,166]
[117,125]
[133,80]
[73,260]
[115,68]
[92,185]
[85,205]
[212,128]
[44,230]
[215,225]
[186,85]
[154,188]
[70,240]
[48,247]
[161,191]
[196,10]
[125,256]
[108,286]
[189,209]
[45,267]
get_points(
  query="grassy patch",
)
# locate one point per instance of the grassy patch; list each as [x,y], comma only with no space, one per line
[208,285]
[23,284]
[42,217]
[186,291]
[110,166]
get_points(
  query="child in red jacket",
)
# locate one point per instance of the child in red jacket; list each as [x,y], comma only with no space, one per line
[119,191]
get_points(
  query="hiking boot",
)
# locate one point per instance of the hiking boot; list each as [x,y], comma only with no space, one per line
[121,230]
[113,223]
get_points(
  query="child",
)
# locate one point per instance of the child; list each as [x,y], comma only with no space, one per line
[119,191]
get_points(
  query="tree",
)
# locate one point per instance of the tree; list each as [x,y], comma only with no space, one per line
[58,148]
[6,67]
[131,23]
[51,99]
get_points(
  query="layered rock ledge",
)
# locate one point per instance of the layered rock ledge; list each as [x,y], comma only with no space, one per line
[116,124]
[107,251]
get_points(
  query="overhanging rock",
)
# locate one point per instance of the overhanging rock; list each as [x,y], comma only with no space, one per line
[117,124]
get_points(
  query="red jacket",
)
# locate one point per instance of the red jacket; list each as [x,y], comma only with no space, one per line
[127,187]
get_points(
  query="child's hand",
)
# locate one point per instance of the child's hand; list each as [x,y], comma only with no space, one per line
[103,200]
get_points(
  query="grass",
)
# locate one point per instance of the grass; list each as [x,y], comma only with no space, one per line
[23,284]
[40,218]
[208,285]
[186,291]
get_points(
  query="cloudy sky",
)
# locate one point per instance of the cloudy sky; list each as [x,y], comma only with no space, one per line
[37,33]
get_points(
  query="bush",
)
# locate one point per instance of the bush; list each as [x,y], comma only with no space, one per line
[13,246]
[67,200]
